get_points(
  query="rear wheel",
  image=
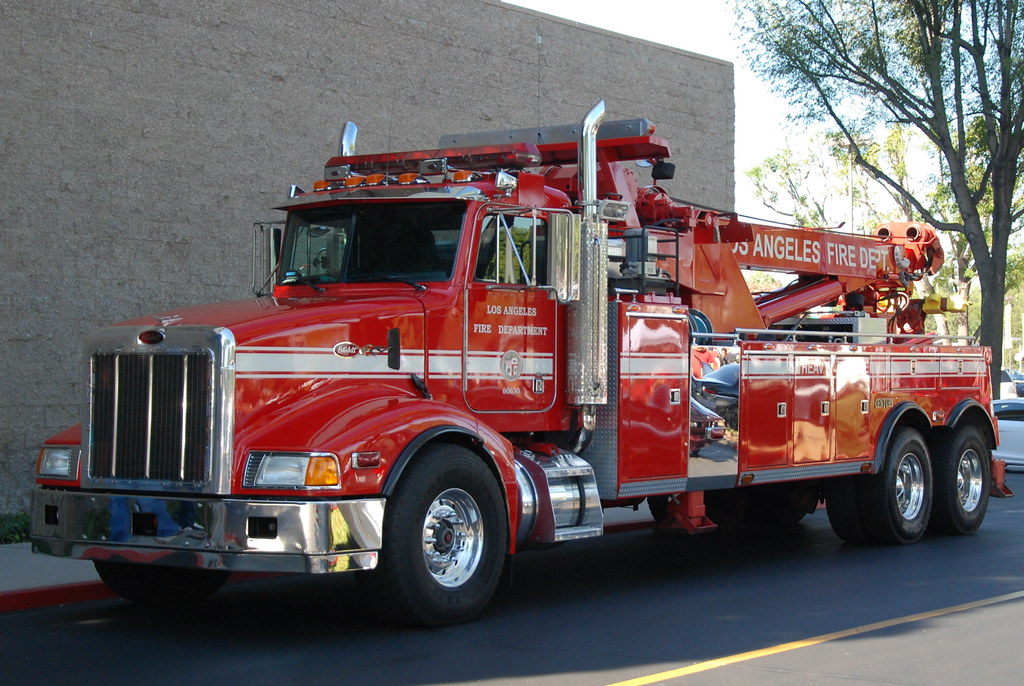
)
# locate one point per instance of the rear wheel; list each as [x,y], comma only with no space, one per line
[896,503]
[155,585]
[445,536]
[962,480]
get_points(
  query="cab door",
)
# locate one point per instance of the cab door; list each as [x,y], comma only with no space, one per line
[511,323]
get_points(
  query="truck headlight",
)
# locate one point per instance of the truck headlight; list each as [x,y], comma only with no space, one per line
[291,470]
[57,463]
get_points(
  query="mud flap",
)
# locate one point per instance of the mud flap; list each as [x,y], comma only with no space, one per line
[999,488]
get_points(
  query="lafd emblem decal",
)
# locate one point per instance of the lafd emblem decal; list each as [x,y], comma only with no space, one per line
[511,365]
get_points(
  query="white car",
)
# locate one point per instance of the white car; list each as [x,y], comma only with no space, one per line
[1010,413]
[1008,384]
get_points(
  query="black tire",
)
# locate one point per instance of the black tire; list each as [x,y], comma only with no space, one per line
[963,477]
[146,584]
[425,576]
[728,508]
[842,502]
[658,505]
[896,502]
[783,504]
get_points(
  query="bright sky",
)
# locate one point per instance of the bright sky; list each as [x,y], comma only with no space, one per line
[705,27]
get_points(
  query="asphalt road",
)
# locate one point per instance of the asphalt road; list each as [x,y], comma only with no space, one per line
[763,606]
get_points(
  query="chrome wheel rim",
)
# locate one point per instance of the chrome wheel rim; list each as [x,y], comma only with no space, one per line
[969,480]
[909,486]
[453,537]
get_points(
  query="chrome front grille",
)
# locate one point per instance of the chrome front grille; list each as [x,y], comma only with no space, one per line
[151,416]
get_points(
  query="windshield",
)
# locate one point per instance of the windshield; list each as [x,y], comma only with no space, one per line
[371,242]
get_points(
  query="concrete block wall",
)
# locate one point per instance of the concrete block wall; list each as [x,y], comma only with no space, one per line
[140,139]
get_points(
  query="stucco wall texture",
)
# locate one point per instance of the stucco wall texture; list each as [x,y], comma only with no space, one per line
[141,139]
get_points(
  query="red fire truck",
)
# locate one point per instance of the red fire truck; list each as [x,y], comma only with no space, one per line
[462,353]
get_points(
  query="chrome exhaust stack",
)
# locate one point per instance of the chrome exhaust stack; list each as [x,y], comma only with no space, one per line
[588,317]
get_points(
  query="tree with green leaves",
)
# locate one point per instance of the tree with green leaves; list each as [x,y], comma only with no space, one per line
[952,69]
[790,184]
[814,180]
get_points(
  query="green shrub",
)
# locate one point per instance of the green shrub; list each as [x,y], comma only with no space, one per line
[14,528]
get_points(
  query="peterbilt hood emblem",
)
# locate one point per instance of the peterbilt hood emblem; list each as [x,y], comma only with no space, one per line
[347,349]
[350,349]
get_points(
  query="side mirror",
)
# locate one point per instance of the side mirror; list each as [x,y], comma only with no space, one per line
[266,251]
[663,171]
[564,255]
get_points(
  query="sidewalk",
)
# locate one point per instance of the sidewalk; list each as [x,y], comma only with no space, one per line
[28,580]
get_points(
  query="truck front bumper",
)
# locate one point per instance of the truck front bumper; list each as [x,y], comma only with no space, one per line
[209,533]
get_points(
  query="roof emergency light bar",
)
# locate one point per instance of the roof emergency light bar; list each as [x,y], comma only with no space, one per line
[438,162]
[627,139]
[459,157]
[550,135]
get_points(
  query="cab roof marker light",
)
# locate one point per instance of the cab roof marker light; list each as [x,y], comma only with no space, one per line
[410,178]
[465,176]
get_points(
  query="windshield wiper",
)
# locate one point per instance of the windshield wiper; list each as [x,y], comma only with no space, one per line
[377,276]
[296,278]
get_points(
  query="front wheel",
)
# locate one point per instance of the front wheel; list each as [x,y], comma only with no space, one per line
[963,476]
[445,535]
[897,501]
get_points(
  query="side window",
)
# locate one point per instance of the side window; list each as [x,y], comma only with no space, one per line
[513,250]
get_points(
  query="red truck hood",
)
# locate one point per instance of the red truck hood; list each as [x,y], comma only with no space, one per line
[293,354]
[305,322]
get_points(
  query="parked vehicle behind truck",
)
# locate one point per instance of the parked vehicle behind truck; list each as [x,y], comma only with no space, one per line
[461,353]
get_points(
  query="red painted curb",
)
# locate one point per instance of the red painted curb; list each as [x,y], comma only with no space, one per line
[83,592]
[27,599]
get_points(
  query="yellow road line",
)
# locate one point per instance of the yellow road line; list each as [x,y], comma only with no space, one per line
[824,638]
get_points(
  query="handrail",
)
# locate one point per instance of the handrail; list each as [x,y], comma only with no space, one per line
[909,337]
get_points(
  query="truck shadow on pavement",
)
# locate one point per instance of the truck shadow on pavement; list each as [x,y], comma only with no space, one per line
[614,602]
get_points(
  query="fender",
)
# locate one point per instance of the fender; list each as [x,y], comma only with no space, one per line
[495,449]
[376,418]
[968,410]
[371,418]
[906,413]
[456,434]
